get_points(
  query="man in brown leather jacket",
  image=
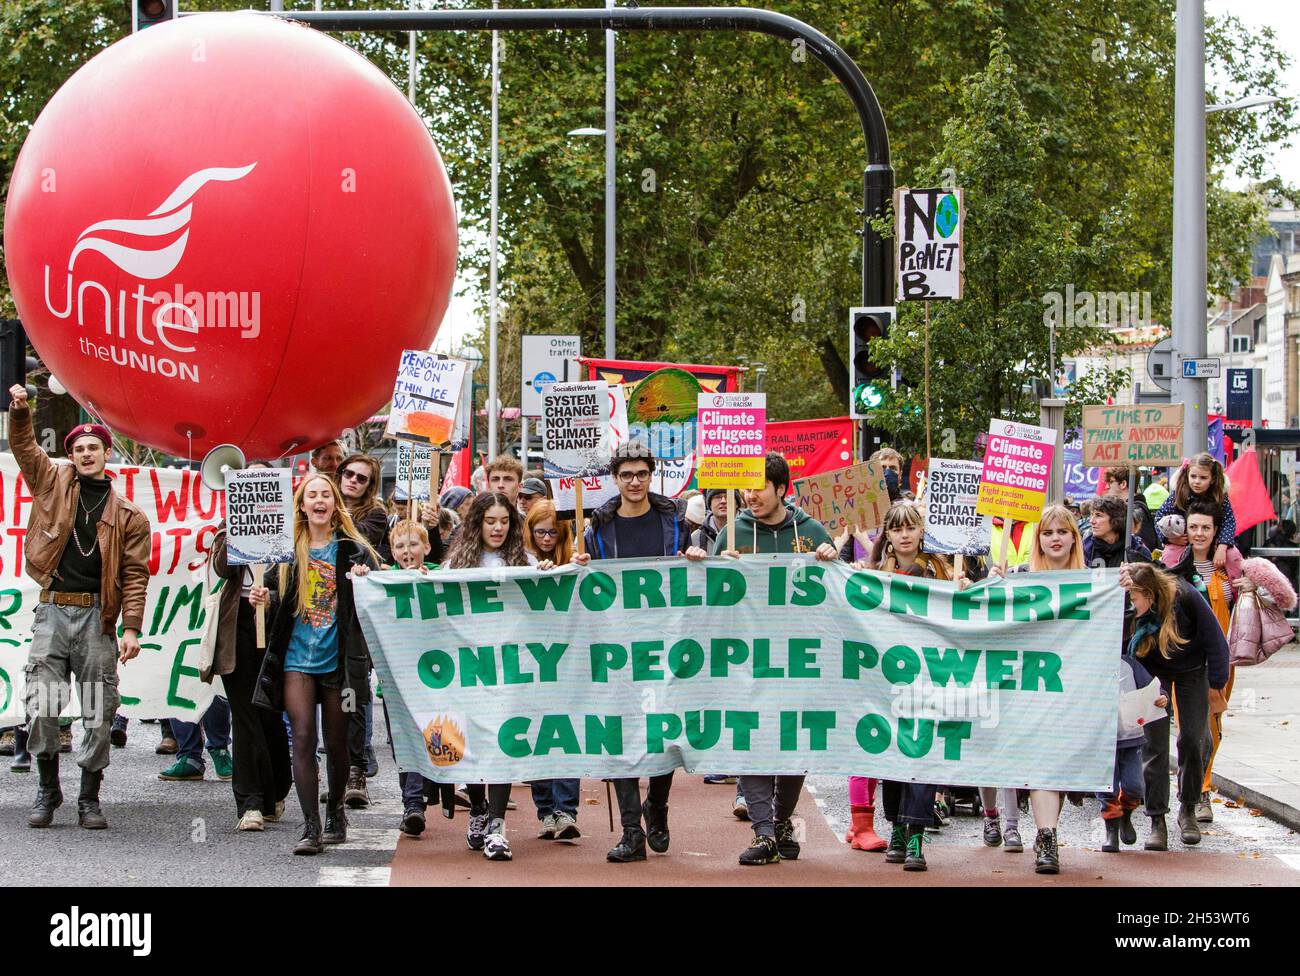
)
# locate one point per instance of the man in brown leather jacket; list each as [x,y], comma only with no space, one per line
[89,550]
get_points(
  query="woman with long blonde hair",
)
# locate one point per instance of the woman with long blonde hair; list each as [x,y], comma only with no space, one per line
[316,638]
[1179,641]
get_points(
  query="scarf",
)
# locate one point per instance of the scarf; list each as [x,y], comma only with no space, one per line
[1110,553]
[1147,626]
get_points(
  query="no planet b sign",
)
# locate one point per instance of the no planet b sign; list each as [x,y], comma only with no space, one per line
[928,237]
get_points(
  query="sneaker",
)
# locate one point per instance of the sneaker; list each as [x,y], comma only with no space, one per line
[941,814]
[786,843]
[7,742]
[495,845]
[915,859]
[117,734]
[992,832]
[252,820]
[222,764]
[566,826]
[761,850]
[896,852]
[630,848]
[719,779]
[65,739]
[166,746]
[476,831]
[546,828]
[740,807]
[278,815]
[372,763]
[356,795]
[413,821]
[182,769]
[1204,812]
[1011,842]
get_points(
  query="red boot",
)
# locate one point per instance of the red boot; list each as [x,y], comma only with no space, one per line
[862,834]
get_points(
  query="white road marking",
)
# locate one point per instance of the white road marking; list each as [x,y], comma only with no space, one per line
[354,877]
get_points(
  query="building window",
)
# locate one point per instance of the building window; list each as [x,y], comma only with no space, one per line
[1241,343]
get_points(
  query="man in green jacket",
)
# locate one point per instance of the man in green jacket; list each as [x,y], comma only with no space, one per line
[769,526]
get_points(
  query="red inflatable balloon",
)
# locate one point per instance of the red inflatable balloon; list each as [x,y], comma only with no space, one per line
[226,228]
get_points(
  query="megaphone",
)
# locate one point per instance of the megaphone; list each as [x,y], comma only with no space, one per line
[219,460]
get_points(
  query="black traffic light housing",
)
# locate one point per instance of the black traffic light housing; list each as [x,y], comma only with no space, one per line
[15,364]
[147,13]
[867,379]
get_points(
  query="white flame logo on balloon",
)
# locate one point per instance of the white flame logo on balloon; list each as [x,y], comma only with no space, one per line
[165,219]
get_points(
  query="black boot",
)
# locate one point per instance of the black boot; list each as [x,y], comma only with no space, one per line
[1111,846]
[50,797]
[1159,839]
[22,758]
[656,826]
[896,852]
[1049,858]
[915,859]
[630,848]
[1126,832]
[336,826]
[1188,825]
[88,813]
[310,842]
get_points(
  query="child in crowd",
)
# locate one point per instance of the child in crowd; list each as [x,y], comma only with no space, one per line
[1202,480]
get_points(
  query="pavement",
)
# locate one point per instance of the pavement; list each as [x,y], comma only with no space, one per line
[182,834]
[1259,760]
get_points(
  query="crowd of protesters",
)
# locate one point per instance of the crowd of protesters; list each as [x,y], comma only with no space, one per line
[305,700]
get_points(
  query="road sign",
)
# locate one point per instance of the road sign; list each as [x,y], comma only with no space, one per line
[1160,364]
[1245,395]
[1201,369]
[547,359]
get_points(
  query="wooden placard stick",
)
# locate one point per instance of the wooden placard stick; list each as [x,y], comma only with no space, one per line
[577,506]
[259,578]
[731,522]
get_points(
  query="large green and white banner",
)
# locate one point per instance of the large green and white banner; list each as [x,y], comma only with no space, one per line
[767,664]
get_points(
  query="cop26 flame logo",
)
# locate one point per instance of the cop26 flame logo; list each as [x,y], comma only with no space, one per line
[171,215]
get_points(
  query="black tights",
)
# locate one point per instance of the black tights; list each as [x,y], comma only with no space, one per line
[498,795]
[302,693]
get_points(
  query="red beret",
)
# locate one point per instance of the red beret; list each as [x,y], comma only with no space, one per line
[88,430]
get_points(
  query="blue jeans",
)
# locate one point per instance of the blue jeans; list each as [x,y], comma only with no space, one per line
[216,726]
[1128,776]
[908,803]
[555,796]
[416,790]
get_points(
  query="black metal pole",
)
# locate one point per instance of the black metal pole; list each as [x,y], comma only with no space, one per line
[878,177]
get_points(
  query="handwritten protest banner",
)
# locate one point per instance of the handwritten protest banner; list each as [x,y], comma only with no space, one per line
[414,469]
[1145,434]
[259,516]
[1017,471]
[164,679]
[425,397]
[952,525]
[732,440]
[855,497]
[928,235]
[764,664]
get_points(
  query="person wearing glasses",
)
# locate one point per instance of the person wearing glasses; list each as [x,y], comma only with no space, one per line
[358,478]
[638,523]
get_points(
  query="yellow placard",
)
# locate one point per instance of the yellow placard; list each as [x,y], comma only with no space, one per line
[731,472]
[1019,504]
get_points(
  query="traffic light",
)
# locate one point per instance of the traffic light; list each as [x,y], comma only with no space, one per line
[867,379]
[150,12]
[15,364]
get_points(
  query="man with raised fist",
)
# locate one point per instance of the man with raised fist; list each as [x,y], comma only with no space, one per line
[89,551]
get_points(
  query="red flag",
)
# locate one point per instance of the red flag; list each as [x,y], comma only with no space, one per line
[1250,499]
[812,446]
[457,471]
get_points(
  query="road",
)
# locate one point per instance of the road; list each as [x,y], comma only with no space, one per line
[164,833]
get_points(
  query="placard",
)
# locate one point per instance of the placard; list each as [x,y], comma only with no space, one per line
[1141,435]
[855,497]
[575,429]
[415,478]
[731,441]
[952,525]
[259,516]
[928,236]
[1017,471]
[425,397]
